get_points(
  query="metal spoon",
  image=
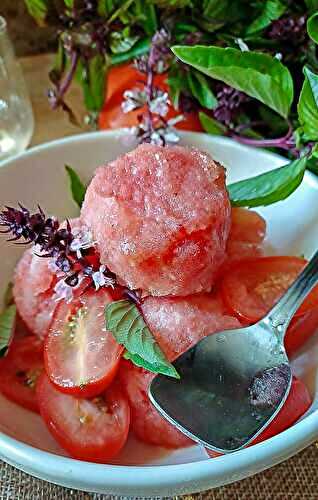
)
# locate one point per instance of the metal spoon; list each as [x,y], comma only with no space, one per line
[233,383]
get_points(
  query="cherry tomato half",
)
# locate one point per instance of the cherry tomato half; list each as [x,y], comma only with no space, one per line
[301,328]
[20,369]
[93,430]
[124,77]
[81,356]
[296,405]
[248,230]
[251,287]
[247,225]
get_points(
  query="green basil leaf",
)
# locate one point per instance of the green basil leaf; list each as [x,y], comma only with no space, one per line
[105,7]
[122,41]
[78,189]
[121,12]
[8,295]
[129,329]
[210,125]
[7,324]
[150,23]
[69,3]
[146,16]
[271,10]
[312,27]
[140,48]
[184,27]
[312,5]
[312,165]
[93,81]
[268,188]
[38,9]
[200,89]
[258,75]
[173,4]
[213,14]
[308,105]
[177,83]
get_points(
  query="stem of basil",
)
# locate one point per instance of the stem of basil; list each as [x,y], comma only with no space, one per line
[286,142]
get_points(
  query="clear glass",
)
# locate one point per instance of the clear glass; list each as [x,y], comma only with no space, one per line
[16,116]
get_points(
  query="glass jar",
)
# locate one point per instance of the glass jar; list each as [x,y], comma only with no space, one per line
[16,116]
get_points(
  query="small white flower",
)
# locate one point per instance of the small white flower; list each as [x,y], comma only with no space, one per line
[63,291]
[101,280]
[242,45]
[83,239]
[156,138]
[278,56]
[171,136]
[160,104]
[134,99]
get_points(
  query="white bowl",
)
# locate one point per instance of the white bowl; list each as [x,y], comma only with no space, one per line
[38,176]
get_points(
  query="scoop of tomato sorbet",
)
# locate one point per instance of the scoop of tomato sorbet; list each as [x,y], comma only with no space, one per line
[161,218]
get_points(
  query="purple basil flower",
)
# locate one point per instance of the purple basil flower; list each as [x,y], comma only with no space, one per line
[230,102]
[291,29]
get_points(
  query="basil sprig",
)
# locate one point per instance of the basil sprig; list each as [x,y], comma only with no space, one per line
[7,324]
[308,105]
[77,188]
[258,75]
[268,188]
[129,329]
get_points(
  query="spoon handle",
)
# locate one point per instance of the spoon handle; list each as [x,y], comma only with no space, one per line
[281,314]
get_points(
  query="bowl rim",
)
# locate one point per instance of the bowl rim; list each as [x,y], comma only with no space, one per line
[281,446]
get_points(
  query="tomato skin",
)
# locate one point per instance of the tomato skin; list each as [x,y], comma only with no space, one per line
[124,77]
[83,365]
[247,225]
[297,403]
[101,436]
[19,370]
[300,330]
[242,279]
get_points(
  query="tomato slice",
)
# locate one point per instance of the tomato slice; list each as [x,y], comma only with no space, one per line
[251,287]
[19,371]
[81,356]
[93,430]
[296,405]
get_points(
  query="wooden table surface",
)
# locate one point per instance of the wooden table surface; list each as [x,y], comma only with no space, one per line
[49,125]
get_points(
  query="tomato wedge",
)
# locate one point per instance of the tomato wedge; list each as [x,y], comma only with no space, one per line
[81,356]
[251,287]
[19,371]
[296,405]
[93,430]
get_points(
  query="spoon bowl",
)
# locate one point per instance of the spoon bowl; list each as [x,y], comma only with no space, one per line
[232,384]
